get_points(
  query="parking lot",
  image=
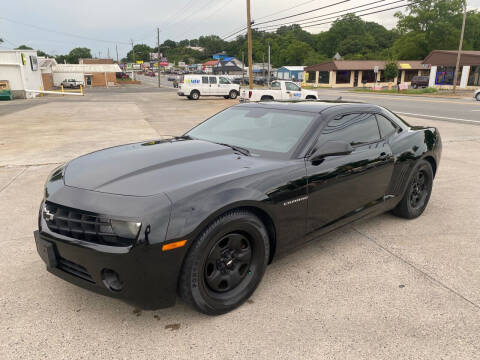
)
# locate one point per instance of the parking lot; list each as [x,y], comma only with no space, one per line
[383,288]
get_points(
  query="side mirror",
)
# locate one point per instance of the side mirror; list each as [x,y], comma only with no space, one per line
[331,148]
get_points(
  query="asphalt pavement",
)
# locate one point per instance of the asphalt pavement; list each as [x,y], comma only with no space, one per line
[465,110]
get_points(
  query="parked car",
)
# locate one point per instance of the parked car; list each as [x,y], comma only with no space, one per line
[280,90]
[239,81]
[419,82]
[476,95]
[122,75]
[171,77]
[260,81]
[203,214]
[194,86]
[72,83]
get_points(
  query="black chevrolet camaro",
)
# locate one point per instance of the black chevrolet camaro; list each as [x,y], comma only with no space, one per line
[201,215]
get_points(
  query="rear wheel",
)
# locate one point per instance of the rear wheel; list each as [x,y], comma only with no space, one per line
[233,94]
[418,192]
[478,97]
[195,95]
[225,264]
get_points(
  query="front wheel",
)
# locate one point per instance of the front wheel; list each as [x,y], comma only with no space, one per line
[478,97]
[233,95]
[418,192]
[226,263]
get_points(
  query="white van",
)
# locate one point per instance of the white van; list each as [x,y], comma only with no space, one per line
[194,86]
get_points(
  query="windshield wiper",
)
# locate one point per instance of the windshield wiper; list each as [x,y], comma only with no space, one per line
[236,148]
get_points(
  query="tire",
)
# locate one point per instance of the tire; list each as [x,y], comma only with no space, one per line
[195,95]
[415,86]
[417,193]
[233,95]
[225,264]
[478,97]
[189,97]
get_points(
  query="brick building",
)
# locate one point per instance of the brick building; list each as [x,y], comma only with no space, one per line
[90,74]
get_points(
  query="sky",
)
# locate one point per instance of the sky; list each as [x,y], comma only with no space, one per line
[101,25]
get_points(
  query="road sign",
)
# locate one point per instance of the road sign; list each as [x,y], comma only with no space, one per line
[375,69]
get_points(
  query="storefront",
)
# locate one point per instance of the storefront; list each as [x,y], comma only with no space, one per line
[443,64]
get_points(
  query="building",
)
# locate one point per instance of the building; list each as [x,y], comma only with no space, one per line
[294,73]
[208,66]
[260,69]
[443,64]
[46,65]
[229,66]
[20,68]
[91,74]
[95,61]
[353,73]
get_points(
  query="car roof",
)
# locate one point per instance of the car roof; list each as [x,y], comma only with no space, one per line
[311,106]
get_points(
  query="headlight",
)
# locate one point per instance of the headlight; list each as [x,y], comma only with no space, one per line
[126,229]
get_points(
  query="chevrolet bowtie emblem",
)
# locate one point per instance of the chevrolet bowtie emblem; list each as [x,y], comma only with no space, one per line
[47,214]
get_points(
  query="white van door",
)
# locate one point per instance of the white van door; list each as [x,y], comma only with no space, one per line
[214,89]
[224,85]
[204,86]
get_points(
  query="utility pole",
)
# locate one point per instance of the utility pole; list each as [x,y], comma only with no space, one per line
[108,53]
[269,68]
[459,54]
[134,61]
[116,49]
[158,55]
[249,34]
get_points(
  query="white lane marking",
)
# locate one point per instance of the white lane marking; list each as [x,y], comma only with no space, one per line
[439,117]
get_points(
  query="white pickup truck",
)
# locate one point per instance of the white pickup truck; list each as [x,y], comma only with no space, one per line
[280,90]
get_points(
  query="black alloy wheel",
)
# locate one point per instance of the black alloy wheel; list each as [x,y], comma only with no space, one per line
[228,262]
[225,264]
[419,190]
[417,193]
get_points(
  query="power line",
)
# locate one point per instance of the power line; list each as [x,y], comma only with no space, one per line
[61,32]
[290,8]
[302,21]
[304,12]
[360,15]
[290,16]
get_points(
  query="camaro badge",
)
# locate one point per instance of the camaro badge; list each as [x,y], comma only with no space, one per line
[286,203]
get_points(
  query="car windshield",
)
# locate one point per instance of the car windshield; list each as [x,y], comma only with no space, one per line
[257,129]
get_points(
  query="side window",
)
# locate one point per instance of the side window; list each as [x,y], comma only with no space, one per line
[223,80]
[292,87]
[213,80]
[204,79]
[386,127]
[355,129]
[276,85]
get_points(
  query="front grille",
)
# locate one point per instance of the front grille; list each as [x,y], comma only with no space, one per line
[82,225]
[74,269]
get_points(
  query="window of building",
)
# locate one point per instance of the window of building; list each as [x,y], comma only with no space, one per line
[409,74]
[355,129]
[386,127]
[369,76]
[474,76]
[445,75]
[343,77]
[323,77]
[311,75]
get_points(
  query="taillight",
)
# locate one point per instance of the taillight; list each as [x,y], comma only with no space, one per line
[250,94]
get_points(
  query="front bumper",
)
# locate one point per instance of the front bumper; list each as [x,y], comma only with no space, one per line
[148,275]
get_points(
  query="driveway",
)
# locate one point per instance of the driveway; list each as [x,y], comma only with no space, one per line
[384,288]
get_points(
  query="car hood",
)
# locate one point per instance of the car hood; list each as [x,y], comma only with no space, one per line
[144,169]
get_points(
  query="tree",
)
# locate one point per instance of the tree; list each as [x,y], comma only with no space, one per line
[142,52]
[78,53]
[24,47]
[391,71]
[411,46]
